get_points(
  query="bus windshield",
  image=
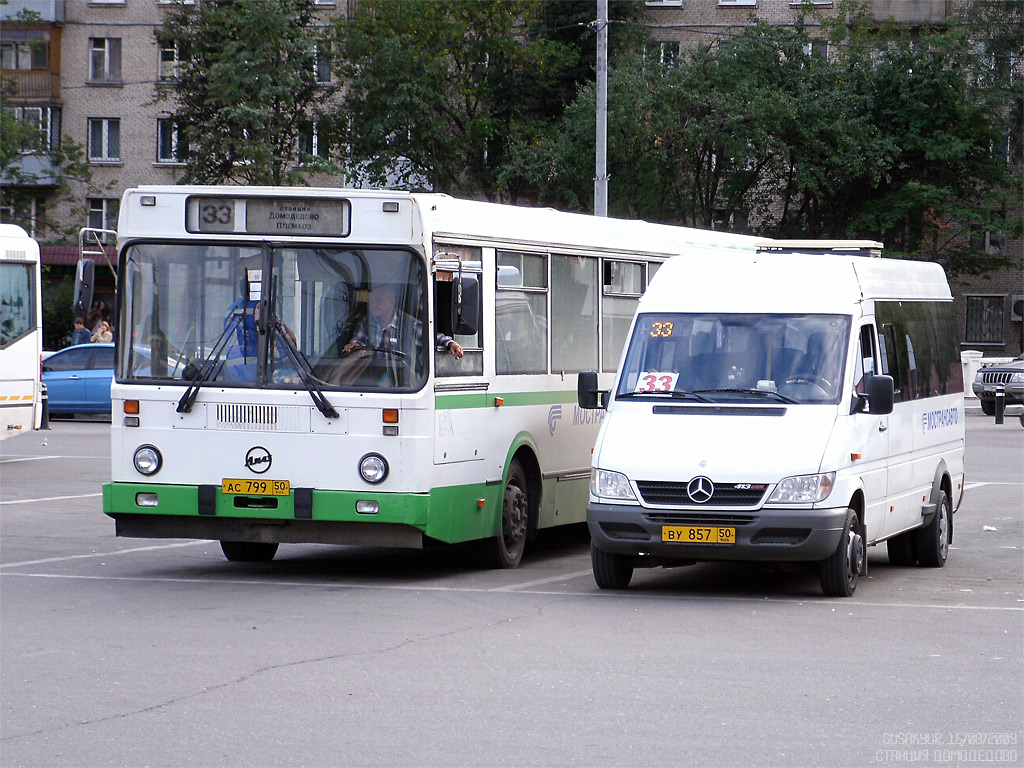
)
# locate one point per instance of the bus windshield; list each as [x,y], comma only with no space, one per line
[267,316]
[791,358]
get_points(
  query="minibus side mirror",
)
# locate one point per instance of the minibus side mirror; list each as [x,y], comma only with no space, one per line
[85,277]
[587,394]
[466,305]
[878,397]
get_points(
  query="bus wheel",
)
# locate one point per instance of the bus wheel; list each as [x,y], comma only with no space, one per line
[248,551]
[933,540]
[506,549]
[611,571]
[841,571]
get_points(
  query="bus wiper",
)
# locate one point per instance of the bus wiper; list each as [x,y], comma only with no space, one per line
[675,394]
[303,369]
[755,392]
[210,364]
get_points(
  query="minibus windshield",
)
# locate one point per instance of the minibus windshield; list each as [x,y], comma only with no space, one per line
[792,358]
[267,316]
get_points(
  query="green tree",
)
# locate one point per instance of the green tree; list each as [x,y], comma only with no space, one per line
[437,89]
[31,160]
[246,89]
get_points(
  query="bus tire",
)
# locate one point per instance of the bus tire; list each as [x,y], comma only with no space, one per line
[932,541]
[841,571]
[902,549]
[248,551]
[611,571]
[506,549]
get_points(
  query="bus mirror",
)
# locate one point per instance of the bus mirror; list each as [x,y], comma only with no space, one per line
[85,277]
[466,305]
[587,394]
[880,392]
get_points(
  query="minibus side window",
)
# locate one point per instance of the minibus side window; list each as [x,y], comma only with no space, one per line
[865,359]
[890,364]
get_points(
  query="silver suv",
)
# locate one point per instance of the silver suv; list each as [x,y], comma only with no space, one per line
[1010,375]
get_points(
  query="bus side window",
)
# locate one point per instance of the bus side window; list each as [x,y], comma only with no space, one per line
[471,363]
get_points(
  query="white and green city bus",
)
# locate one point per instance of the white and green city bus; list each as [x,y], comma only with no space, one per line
[261,398]
[21,332]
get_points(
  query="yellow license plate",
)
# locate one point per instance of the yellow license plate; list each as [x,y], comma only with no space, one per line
[247,487]
[698,534]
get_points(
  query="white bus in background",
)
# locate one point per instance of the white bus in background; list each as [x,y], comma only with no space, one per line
[21,332]
[252,406]
[798,405]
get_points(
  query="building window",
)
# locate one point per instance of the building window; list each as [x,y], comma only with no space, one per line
[46,120]
[169,63]
[817,48]
[25,49]
[105,59]
[322,64]
[104,139]
[984,320]
[665,53]
[166,141]
[102,213]
[313,142]
[667,3]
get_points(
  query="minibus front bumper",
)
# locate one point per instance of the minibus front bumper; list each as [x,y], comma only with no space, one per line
[766,534]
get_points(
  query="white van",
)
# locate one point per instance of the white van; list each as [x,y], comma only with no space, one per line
[800,404]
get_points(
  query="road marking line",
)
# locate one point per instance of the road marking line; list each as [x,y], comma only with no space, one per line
[105,554]
[52,498]
[970,486]
[846,604]
[35,458]
[539,582]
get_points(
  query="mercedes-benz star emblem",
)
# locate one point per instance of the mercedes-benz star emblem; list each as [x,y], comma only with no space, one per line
[700,490]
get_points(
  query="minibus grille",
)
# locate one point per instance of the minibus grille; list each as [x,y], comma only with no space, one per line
[996,377]
[699,518]
[725,494]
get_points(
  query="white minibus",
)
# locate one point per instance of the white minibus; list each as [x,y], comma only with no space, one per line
[799,404]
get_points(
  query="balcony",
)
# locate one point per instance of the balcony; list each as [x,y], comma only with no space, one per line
[51,11]
[32,170]
[914,12]
[34,86]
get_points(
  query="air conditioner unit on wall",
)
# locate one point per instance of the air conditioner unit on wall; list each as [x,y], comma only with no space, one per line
[1017,308]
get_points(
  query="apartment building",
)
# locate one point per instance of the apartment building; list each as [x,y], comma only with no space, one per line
[89,69]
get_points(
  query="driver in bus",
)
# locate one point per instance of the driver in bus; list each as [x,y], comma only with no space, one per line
[385,325]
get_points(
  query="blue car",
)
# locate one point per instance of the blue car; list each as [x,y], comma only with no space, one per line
[78,378]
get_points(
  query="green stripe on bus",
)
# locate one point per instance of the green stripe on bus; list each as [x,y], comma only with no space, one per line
[486,400]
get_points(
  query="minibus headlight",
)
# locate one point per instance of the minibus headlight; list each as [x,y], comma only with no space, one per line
[148,460]
[373,468]
[803,489]
[610,485]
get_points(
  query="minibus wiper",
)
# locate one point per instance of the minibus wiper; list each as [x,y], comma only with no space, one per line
[205,373]
[303,368]
[756,392]
[675,394]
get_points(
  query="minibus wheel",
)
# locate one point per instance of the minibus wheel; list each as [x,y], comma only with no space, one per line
[248,551]
[611,571]
[933,540]
[506,549]
[902,549]
[841,571]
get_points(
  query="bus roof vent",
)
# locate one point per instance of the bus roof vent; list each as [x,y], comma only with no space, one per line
[870,248]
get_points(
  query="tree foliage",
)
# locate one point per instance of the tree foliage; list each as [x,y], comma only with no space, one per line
[29,162]
[895,136]
[246,88]
[438,89]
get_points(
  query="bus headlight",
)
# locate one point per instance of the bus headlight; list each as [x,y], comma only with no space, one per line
[148,460]
[373,468]
[610,485]
[803,489]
